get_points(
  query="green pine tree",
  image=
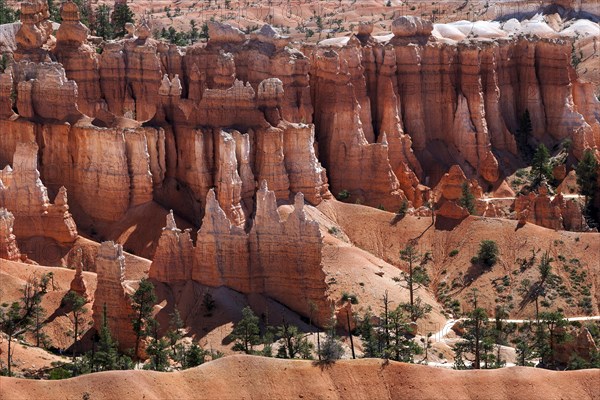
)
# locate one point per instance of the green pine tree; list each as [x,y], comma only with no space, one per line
[8,15]
[540,165]
[522,136]
[142,302]
[246,332]
[102,26]
[467,199]
[121,16]
[106,357]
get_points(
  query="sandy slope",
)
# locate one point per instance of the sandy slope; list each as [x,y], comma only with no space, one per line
[245,377]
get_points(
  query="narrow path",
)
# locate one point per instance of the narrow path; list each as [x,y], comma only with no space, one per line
[441,334]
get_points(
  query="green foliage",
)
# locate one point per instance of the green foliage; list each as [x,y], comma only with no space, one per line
[350,297]
[403,208]
[193,356]
[142,303]
[522,136]
[343,195]
[587,174]
[478,339]
[331,349]
[293,343]
[121,16]
[488,253]
[246,332]
[467,200]
[540,165]
[208,303]
[7,14]
[106,358]
[453,253]
[59,373]
[102,26]
[18,317]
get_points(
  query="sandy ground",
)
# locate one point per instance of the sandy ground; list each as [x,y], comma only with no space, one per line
[246,377]
[378,233]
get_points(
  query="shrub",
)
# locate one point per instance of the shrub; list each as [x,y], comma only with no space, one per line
[343,195]
[453,253]
[349,297]
[488,253]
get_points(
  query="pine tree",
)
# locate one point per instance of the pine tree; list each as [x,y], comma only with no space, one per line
[174,335]
[107,356]
[417,275]
[142,302]
[587,174]
[19,316]
[467,200]
[246,332]
[157,349]
[293,342]
[540,166]
[522,136]
[76,303]
[475,340]
[121,16]
[7,14]
[194,356]
[102,26]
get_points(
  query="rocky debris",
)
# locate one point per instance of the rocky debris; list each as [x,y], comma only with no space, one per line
[8,243]
[224,33]
[557,213]
[582,345]
[268,34]
[279,259]
[112,295]
[407,26]
[22,192]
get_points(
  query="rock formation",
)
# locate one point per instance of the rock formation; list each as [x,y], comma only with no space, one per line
[449,191]
[78,284]
[391,114]
[553,213]
[35,31]
[22,192]
[279,259]
[8,244]
[112,295]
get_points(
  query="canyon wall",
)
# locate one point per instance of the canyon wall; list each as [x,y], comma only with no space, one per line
[387,116]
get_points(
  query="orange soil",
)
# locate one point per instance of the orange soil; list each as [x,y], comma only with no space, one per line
[375,231]
[247,377]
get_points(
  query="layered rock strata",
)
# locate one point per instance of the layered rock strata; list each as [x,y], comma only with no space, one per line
[279,259]
[111,295]
[22,192]
[391,114]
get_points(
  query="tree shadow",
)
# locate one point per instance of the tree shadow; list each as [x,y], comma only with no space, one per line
[323,364]
[447,224]
[397,218]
